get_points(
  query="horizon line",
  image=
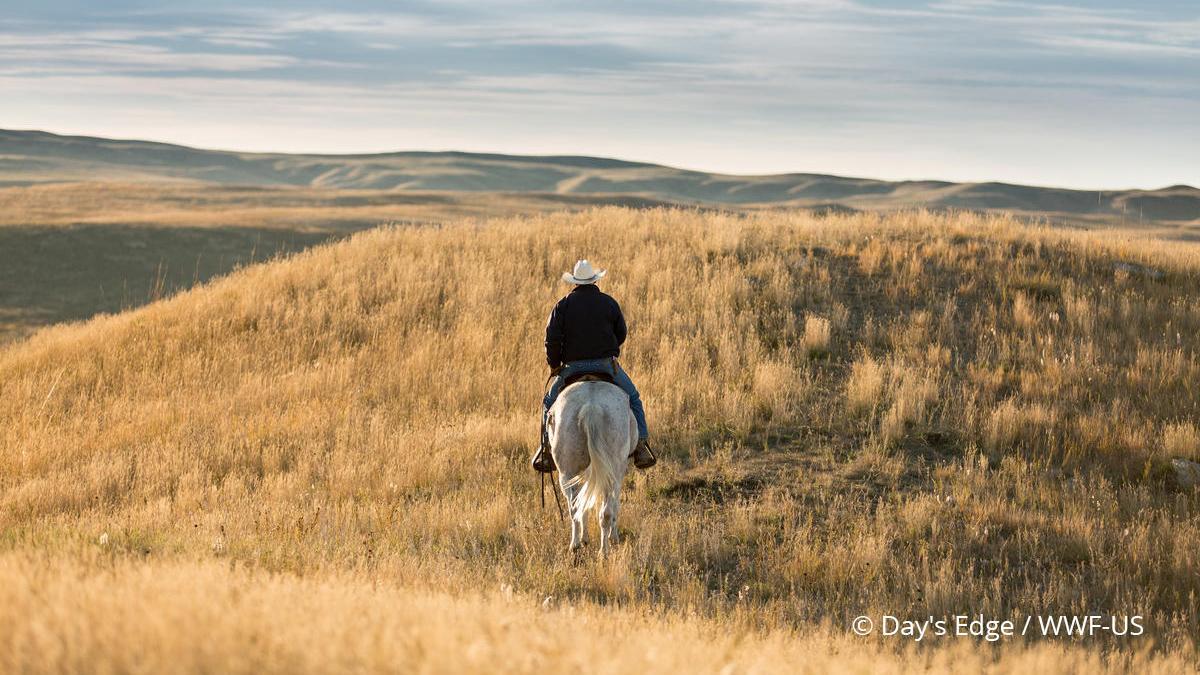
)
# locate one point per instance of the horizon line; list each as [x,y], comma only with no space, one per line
[647,163]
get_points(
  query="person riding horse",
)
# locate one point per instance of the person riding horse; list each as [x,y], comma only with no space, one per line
[584,336]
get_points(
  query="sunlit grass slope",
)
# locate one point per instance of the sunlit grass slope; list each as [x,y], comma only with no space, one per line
[912,414]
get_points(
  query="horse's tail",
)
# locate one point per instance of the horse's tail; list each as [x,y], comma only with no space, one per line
[600,476]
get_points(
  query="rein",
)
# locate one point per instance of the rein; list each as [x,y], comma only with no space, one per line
[556,501]
[546,390]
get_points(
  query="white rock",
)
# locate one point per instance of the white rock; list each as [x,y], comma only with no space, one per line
[1187,472]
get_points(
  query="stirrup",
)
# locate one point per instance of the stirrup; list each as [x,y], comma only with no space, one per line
[543,461]
[643,456]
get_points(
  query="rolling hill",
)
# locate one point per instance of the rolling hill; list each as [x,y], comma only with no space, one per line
[30,157]
[323,458]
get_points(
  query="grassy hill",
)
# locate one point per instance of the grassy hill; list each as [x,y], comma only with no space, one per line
[92,225]
[28,157]
[857,414]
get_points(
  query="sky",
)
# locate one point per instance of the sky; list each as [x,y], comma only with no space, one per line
[1092,95]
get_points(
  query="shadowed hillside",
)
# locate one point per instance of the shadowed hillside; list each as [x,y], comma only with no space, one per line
[72,250]
[30,157]
[856,414]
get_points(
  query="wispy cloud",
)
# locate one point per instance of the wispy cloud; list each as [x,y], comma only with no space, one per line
[817,81]
[1069,27]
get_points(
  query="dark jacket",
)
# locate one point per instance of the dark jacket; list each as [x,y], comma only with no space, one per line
[585,324]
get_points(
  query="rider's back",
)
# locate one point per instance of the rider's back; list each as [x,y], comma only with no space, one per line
[585,324]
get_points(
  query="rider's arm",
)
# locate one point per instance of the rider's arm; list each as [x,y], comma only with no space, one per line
[554,337]
[619,324]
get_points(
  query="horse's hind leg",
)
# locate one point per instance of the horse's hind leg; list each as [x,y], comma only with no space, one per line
[608,521]
[578,531]
[579,522]
[614,501]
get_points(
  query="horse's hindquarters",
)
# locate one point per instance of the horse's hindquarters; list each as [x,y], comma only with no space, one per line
[591,436]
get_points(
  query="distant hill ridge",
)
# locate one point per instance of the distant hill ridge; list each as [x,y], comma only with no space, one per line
[30,157]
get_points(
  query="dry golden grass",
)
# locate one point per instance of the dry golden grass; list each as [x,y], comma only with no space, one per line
[1181,440]
[360,416]
[864,386]
[58,617]
[817,334]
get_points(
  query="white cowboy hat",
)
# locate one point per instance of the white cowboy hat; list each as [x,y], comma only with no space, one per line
[583,274]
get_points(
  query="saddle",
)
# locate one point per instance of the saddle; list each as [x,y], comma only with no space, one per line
[588,377]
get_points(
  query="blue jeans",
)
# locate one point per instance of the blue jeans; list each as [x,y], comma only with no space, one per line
[599,366]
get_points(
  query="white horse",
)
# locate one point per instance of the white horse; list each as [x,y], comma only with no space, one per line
[592,433]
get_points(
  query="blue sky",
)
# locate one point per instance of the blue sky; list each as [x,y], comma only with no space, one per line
[1096,95]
